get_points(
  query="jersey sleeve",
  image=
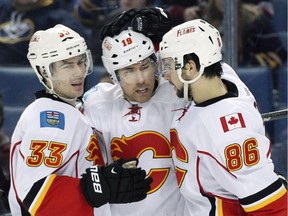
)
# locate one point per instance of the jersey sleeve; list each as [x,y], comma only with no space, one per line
[237,156]
[52,191]
[48,156]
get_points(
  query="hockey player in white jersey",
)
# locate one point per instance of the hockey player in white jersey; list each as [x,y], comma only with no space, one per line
[54,151]
[134,116]
[221,152]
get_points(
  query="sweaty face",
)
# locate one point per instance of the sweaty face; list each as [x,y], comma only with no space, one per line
[68,77]
[137,80]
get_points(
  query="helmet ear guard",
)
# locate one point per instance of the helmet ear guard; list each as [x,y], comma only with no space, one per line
[55,44]
[127,48]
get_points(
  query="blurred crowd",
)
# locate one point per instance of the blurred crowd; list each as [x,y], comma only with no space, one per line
[258,40]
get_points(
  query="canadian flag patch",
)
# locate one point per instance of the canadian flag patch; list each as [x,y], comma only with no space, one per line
[232,121]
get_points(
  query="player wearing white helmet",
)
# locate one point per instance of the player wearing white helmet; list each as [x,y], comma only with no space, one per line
[134,116]
[43,57]
[115,55]
[53,144]
[222,154]
[207,47]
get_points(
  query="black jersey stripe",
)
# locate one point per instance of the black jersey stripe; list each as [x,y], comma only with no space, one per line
[212,201]
[261,194]
[33,192]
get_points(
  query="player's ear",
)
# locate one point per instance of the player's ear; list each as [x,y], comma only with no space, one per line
[189,70]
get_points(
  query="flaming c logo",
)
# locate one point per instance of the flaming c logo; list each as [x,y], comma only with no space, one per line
[134,146]
[94,151]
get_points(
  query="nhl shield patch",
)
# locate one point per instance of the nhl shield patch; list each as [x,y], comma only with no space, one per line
[53,119]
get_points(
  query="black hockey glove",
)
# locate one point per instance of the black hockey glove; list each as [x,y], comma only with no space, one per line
[153,22]
[119,182]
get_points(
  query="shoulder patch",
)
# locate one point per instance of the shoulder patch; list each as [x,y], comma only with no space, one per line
[50,118]
[232,121]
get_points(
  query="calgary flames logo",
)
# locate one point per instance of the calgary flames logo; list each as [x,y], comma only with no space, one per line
[94,151]
[136,145]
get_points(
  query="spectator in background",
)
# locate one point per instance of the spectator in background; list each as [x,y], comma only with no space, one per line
[4,143]
[184,3]
[69,4]
[258,42]
[181,11]
[96,13]
[19,19]
[254,1]
[4,164]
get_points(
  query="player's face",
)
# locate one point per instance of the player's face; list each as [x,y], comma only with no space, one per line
[170,74]
[137,81]
[68,77]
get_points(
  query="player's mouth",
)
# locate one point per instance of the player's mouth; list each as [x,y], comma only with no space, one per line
[142,90]
[78,85]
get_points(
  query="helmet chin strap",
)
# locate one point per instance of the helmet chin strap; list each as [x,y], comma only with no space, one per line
[185,91]
[187,82]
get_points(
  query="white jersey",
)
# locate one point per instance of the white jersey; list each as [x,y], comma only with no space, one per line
[52,145]
[223,156]
[141,131]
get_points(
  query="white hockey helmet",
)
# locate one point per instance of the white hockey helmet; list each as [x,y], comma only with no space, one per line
[127,48]
[195,36]
[56,44]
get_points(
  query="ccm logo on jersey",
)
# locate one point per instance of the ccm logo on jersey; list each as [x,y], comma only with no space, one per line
[96,180]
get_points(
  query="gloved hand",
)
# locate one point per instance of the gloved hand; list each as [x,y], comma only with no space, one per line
[153,22]
[119,182]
